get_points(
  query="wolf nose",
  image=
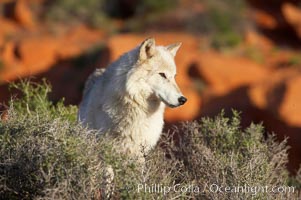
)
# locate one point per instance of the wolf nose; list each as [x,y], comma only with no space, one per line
[182,100]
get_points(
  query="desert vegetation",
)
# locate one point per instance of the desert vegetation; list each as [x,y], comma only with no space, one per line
[46,154]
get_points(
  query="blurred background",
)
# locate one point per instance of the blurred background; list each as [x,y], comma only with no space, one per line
[240,54]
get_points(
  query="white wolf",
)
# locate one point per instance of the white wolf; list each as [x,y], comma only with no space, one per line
[127,100]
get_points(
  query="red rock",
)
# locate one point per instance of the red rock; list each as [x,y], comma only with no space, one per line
[7,54]
[290,109]
[37,54]
[12,73]
[76,40]
[8,28]
[263,93]
[265,20]
[7,46]
[225,73]
[292,14]
[281,58]
[254,39]
[9,61]
[23,14]
[280,94]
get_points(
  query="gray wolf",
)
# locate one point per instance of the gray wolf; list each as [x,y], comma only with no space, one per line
[128,98]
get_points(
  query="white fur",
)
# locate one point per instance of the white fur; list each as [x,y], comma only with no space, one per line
[128,99]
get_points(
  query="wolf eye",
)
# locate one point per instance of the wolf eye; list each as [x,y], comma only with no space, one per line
[163,75]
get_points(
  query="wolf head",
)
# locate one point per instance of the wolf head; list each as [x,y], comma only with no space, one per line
[155,72]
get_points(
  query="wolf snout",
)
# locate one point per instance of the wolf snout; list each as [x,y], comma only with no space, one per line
[182,100]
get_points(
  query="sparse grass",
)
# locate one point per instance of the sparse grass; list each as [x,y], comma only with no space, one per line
[45,154]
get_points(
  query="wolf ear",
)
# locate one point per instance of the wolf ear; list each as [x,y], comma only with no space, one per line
[147,49]
[173,48]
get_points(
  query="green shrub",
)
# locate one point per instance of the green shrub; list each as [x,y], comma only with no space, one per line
[87,11]
[156,5]
[45,154]
[218,151]
[97,13]
[34,101]
[224,21]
